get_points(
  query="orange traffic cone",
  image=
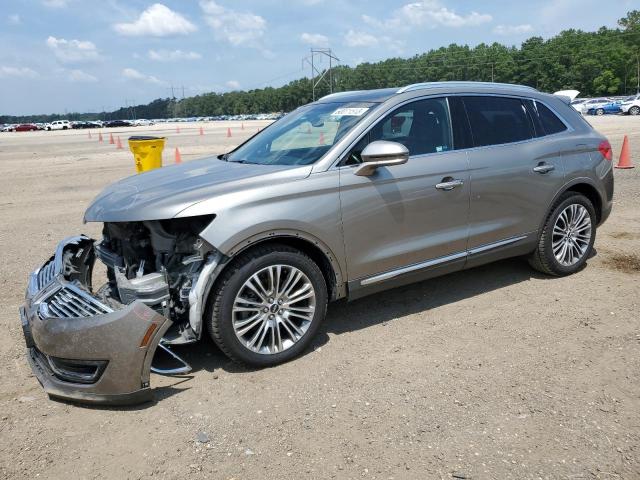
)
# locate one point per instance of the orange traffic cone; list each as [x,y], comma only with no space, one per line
[625,157]
[201,131]
[321,140]
[89,133]
[111,140]
[178,129]
[178,156]
[119,144]
[228,132]
[100,137]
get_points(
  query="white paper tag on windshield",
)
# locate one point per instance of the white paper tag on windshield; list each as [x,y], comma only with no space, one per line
[349,112]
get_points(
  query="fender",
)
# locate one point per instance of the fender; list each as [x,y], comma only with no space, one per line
[289,233]
[564,188]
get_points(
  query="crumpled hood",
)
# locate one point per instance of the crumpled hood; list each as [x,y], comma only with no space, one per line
[163,193]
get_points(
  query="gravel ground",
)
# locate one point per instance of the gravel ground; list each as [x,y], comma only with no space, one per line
[497,372]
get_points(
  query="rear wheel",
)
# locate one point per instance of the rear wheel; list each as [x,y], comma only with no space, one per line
[634,110]
[267,306]
[567,237]
[600,111]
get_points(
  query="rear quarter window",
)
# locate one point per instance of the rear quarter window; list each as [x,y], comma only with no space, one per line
[550,121]
[497,120]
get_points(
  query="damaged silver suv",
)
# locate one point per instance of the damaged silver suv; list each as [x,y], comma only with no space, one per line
[353,194]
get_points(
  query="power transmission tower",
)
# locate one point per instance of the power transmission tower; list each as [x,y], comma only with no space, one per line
[318,76]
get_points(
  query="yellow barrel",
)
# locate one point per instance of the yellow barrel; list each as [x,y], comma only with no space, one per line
[147,152]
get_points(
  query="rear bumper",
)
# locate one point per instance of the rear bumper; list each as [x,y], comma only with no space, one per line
[63,324]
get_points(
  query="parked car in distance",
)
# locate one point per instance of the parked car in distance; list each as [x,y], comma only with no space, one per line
[8,128]
[25,127]
[585,106]
[142,122]
[351,195]
[59,125]
[606,109]
[83,125]
[631,105]
[117,123]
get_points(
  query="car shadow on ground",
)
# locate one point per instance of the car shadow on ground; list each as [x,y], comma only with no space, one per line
[346,316]
[383,307]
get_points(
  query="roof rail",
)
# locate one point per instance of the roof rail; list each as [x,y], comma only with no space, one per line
[425,85]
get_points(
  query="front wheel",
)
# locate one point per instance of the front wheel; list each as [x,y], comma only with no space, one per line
[267,306]
[567,237]
[634,110]
[600,111]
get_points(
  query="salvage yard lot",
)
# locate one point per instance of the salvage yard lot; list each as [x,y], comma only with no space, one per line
[497,372]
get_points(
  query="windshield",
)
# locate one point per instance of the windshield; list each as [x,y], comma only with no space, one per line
[303,136]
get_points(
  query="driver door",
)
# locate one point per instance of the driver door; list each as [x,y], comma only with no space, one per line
[400,223]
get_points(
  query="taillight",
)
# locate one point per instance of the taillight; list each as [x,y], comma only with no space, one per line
[605,149]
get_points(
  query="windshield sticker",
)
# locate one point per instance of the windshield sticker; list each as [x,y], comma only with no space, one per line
[349,112]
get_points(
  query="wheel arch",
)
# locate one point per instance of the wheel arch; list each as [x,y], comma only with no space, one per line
[583,186]
[317,250]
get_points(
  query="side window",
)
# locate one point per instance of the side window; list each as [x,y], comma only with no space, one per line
[497,120]
[550,122]
[422,126]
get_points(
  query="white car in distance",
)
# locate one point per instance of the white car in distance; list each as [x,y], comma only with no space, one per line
[58,125]
[631,105]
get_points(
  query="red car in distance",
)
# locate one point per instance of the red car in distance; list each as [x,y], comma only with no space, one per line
[25,127]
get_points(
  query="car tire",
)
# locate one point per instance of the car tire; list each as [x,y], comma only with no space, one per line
[634,110]
[599,111]
[232,294]
[562,247]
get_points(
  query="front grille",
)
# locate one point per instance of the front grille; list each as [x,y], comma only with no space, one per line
[70,301]
[46,274]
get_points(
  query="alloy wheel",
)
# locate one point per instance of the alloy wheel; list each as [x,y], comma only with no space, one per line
[571,234]
[273,309]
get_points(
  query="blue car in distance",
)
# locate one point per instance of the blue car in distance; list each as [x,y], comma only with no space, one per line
[607,109]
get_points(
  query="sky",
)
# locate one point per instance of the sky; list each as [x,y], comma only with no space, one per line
[92,55]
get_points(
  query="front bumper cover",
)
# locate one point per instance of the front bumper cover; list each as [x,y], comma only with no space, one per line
[62,320]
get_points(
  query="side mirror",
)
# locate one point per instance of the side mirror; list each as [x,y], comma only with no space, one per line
[381,153]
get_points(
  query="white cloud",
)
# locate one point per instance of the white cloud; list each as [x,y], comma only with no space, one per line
[56,3]
[360,39]
[73,51]
[14,19]
[315,39]
[134,74]
[233,85]
[429,13]
[232,26]
[23,72]
[507,30]
[172,55]
[158,21]
[80,76]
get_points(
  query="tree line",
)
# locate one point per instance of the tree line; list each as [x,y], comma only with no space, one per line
[600,63]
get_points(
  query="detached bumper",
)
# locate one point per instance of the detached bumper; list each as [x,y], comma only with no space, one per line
[80,348]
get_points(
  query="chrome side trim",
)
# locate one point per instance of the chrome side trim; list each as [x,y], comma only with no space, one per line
[491,246]
[437,261]
[411,268]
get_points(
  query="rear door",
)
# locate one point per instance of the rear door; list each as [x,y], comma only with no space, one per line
[515,170]
[404,217]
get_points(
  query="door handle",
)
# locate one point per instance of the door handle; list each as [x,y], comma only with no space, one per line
[543,168]
[449,184]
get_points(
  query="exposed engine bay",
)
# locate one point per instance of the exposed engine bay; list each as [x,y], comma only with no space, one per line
[156,262]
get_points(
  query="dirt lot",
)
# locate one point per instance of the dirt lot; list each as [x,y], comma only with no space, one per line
[497,372]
